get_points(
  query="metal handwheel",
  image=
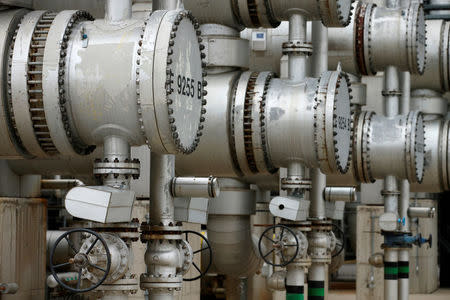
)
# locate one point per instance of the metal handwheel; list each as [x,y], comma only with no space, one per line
[80,261]
[282,240]
[207,248]
[340,246]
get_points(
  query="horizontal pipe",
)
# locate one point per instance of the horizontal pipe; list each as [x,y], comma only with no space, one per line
[421,212]
[206,187]
[60,184]
[346,194]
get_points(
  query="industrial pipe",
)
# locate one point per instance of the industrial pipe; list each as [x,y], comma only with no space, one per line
[436,75]
[117,10]
[55,64]
[162,170]
[229,230]
[368,45]
[421,212]
[403,253]
[8,288]
[60,184]
[269,13]
[233,245]
[206,187]
[346,194]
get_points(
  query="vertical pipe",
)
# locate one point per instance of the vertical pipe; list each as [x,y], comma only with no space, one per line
[319,34]
[390,198]
[317,205]
[319,65]
[391,89]
[117,10]
[317,270]
[390,274]
[115,147]
[390,194]
[403,254]
[160,294]
[164,4]
[403,274]
[316,281]
[297,33]
[295,282]
[162,170]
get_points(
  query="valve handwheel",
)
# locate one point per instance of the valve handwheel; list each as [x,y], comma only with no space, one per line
[80,261]
[282,238]
[340,244]
[207,248]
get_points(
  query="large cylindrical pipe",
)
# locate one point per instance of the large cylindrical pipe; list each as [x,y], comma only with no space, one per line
[368,44]
[269,13]
[436,75]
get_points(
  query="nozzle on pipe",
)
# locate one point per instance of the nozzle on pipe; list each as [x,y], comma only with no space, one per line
[207,187]
[421,212]
[346,194]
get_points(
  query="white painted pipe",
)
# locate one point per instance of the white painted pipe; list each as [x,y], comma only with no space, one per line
[297,33]
[403,274]
[390,274]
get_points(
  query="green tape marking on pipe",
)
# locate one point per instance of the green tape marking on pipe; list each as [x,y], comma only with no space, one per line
[295,296]
[391,270]
[316,292]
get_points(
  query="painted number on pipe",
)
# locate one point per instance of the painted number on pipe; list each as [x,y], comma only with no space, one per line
[344,123]
[187,86]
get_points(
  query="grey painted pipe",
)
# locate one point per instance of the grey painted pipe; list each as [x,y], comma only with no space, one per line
[233,246]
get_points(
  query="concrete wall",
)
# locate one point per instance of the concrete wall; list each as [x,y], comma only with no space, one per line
[368,236]
[23,227]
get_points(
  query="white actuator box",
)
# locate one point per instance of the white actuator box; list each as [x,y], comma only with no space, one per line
[259,41]
[100,204]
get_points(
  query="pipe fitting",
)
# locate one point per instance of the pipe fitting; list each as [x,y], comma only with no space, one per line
[276,281]
[369,44]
